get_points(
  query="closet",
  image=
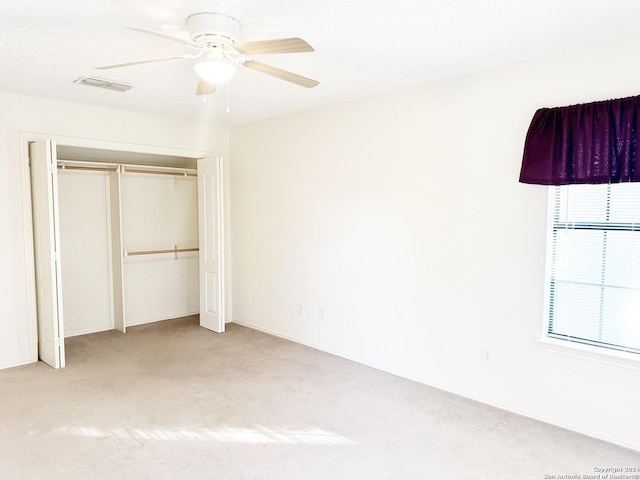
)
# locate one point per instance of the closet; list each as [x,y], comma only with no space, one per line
[155,212]
[119,243]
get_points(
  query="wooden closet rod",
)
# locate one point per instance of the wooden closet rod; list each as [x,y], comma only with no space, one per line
[175,251]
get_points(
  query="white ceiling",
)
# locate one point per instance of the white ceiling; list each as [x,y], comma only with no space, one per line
[363,47]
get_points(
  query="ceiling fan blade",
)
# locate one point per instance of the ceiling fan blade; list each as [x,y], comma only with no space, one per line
[140,62]
[283,45]
[281,74]
[164,35]
[205,88]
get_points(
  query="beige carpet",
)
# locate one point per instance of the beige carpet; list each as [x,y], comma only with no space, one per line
[173,401]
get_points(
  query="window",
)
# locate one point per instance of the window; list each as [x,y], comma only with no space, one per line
[593,265]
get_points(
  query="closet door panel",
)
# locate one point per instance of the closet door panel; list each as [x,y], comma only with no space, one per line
[84,242]
[158,213]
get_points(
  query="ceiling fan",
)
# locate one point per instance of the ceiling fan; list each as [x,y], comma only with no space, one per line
[214,35]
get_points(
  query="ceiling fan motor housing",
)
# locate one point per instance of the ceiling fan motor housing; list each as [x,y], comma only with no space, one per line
[213,29]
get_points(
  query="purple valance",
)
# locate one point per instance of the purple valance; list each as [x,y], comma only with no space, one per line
[590,143]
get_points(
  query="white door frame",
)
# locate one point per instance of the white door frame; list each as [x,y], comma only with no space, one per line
[25,181]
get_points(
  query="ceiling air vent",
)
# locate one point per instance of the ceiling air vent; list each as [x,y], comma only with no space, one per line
[102,83]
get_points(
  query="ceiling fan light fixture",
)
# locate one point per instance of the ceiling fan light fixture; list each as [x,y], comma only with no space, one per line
[216,70]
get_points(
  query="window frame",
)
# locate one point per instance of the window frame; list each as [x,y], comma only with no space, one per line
[566,346]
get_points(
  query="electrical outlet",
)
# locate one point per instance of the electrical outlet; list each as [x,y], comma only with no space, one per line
[321,314]
[486,355]
[301,309]
[249,297]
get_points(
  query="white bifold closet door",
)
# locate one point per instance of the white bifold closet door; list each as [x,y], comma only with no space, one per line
[44,206]
[211,221]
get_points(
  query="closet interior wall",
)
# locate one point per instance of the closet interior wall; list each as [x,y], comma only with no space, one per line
[159,213]
[114,221]
[85,240]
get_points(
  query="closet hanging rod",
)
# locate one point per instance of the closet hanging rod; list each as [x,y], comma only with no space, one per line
[128,168]
[177,173]
[79,167]
[175,250]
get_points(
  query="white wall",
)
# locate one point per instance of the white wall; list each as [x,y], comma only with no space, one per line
[27,114]
[158,212]
[402,218]
[85,229]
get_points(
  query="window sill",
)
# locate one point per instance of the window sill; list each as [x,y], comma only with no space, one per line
[588,352]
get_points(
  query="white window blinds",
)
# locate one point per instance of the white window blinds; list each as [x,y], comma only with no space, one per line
[594,265]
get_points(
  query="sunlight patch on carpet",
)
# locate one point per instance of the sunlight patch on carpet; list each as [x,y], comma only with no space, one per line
[258,434]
